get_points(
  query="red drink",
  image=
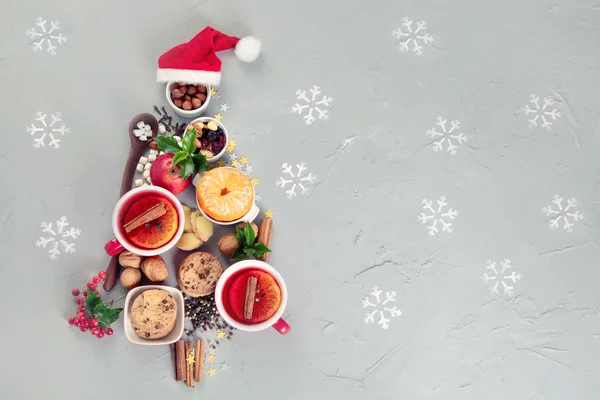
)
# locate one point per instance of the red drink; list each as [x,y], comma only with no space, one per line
[156,233]
[267,300]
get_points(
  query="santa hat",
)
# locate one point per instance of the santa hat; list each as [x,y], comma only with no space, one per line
[196,61]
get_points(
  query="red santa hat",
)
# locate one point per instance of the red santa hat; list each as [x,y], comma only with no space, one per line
[196,61]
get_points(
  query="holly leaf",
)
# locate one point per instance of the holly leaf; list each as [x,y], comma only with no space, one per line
[187,168]
[238,254]
[109,316]
[200,162]
[239,236]
[260,250]
[92,301]
[168,144]
[180,155]
[249,251]
[249,234]
[187,142]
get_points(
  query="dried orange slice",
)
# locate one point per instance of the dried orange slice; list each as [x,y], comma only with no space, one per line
[225,194]
[156,233]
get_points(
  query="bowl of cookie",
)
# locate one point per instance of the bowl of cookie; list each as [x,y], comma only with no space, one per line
[154,315]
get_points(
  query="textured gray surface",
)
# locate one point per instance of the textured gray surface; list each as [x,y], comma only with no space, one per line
[358,228]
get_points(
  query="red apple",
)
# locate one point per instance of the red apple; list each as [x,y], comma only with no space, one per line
[166,175]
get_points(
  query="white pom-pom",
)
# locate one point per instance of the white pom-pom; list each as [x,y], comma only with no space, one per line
[247,49]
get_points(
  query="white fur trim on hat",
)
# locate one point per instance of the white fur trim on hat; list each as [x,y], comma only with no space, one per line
[247,49]
[188,76]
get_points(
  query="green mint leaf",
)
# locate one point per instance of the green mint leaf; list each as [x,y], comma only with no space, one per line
[187,168]
[180,155]
[187,142]
[260,250]
[92,301]
[249,234]
[238,255]
[239,236]
[200,162]
[168,144]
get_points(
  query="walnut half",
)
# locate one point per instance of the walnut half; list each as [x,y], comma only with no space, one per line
[128,259]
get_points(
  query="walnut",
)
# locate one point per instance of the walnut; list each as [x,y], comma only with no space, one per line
[227,244]
[128,259]
[155,269]
[130,278]
[242,225]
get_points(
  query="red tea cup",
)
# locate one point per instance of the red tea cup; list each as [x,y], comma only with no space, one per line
[221,295]
[121,242]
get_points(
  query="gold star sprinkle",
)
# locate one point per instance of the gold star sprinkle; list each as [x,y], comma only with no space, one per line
[255,181]
[212,371]
[190,359]
[235,163]
[244,160]
[211,358]
[221,163]
[269,214]
[218,117]
[213,91]
[220,334]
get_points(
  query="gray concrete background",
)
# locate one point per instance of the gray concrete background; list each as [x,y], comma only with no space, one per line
[358,227]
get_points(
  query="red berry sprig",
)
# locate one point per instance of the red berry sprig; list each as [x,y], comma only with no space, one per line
[93,314]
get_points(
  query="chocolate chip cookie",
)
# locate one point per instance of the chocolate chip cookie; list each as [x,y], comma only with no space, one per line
[198,274]
[153,314]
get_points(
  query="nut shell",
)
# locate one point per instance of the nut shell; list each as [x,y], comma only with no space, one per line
[155,269]
[130,278]
[128,259]
[242,225]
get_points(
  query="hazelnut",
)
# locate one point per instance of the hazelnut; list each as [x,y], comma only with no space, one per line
[242,225]
[178,102]
[186,105]
[201,89]
[191,90]
[128,259]
[196,103]
[130,278]
[176,94]
[206,153]
[227,244]
[197,144]
[187,98]
[199,126]
[201,97]
[182,83]
[155,269]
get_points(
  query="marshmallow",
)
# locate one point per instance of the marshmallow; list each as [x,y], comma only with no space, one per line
[153,152]
[147,166]
[138,182]
[162,129]
[141,125]
[148,128]
[196,179]
[140,167]
[143,160]
[146,174]
[137,133]
[143,138]
[152,158]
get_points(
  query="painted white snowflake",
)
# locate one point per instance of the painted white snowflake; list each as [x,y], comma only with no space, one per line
[312,103]
[291,180]
[377,307]
[499,279]
[50,37]
[541,114]
[568,214]
[42,130]
[418,37]
[58,237]
[448,135]
[437,215]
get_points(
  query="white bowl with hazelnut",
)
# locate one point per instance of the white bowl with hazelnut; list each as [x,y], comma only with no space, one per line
[212,138]
[186,99]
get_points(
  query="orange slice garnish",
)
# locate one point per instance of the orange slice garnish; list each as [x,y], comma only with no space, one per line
[225,194]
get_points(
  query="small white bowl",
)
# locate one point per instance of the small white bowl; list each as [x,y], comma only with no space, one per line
[184,113]
[205,120]
[177,331]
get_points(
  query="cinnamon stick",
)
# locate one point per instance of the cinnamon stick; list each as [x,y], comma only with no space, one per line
[265,229]
[199,360]
[174,358]
[251,285]
[189,376]
[180,360]
[151,214]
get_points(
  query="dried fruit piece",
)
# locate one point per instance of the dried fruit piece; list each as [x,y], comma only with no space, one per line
[212,125]
[189,241]
[203,228]
[206,153]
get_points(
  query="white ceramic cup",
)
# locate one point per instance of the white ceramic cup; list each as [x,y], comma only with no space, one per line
[249,217]
[205,120]
[275,321]
[121,243]
[187,113]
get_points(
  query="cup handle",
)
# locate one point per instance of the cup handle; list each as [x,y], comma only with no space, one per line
[113,247]
[282,327]
[252,214]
